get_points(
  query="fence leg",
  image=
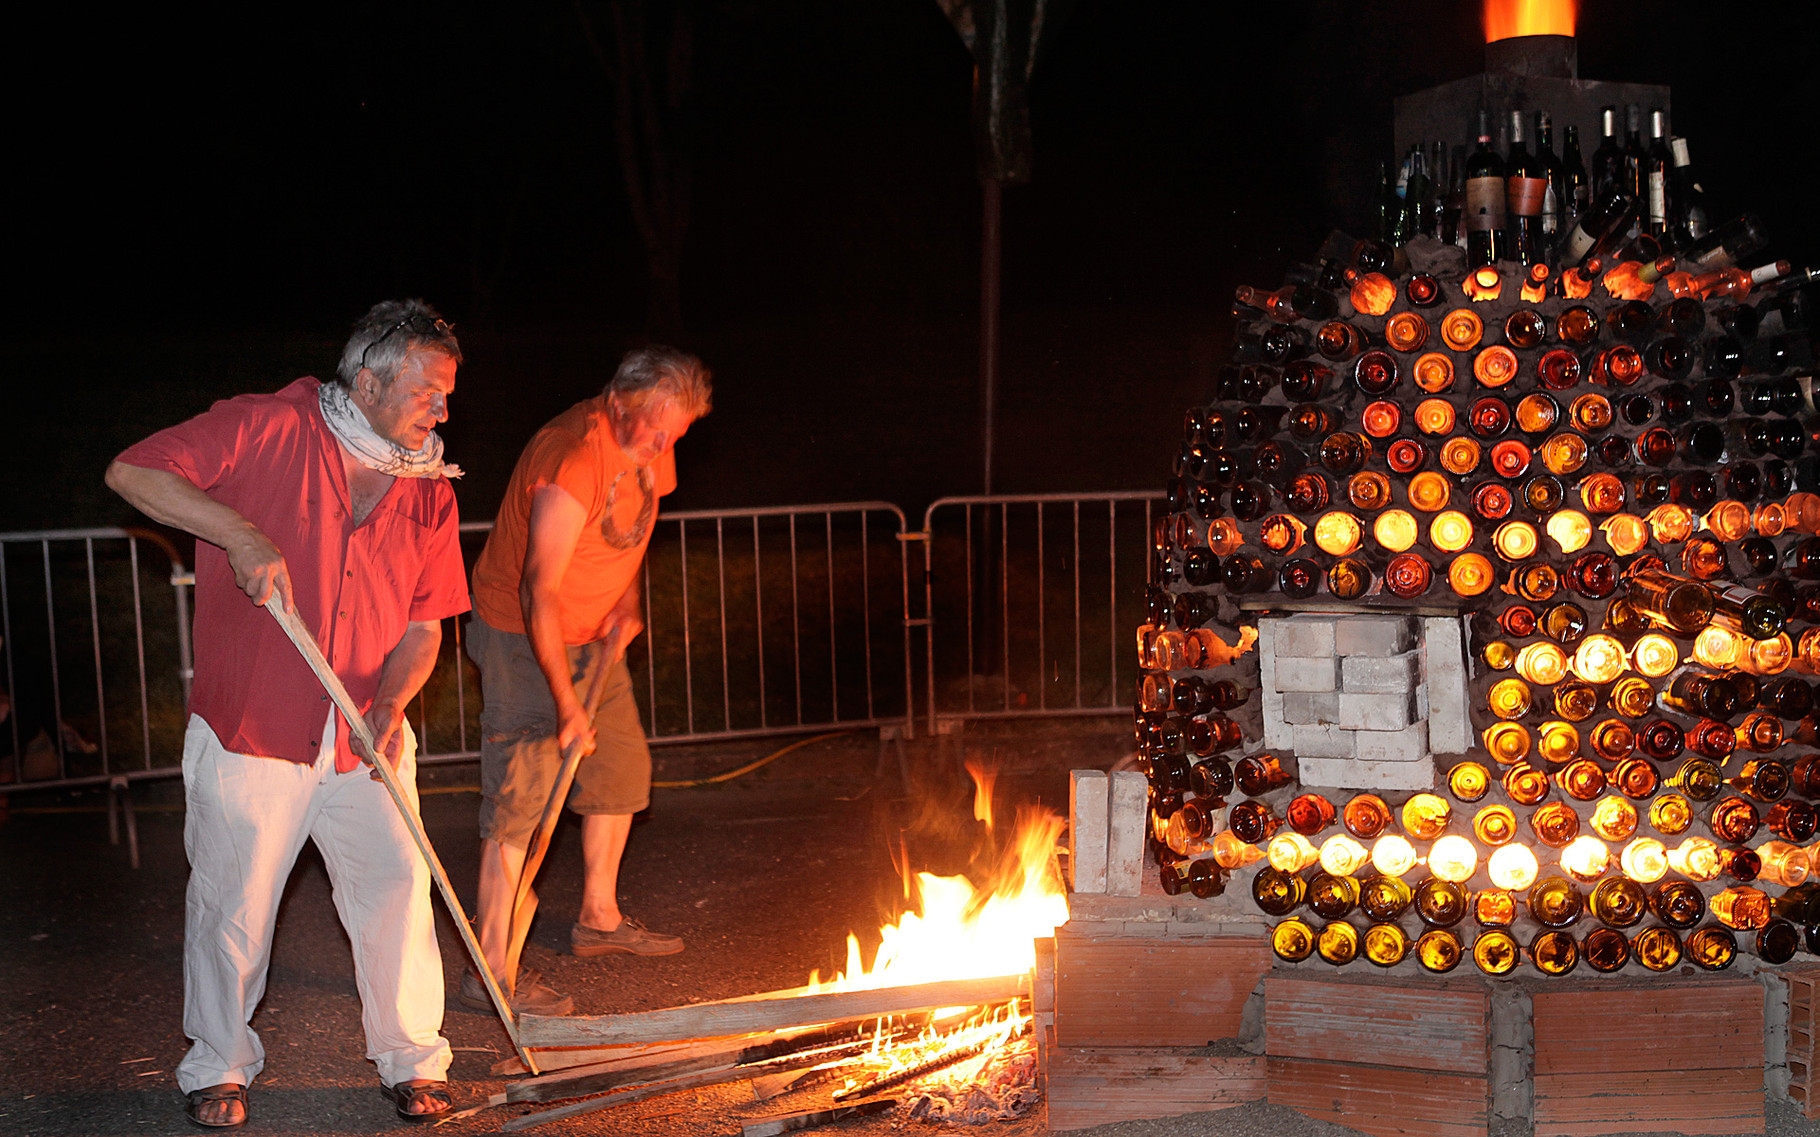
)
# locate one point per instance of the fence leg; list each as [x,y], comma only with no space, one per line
[120,797]
[895,736]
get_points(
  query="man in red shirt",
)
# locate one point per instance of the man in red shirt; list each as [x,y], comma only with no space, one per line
[334,497]
[556,602]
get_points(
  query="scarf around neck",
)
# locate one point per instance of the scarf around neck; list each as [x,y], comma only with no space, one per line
[349,424]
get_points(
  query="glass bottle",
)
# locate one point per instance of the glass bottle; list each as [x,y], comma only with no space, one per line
[1712,948]
[1292,940]
[1554,902]
[1554,952]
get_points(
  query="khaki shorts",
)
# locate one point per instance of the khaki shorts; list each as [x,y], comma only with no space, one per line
[519,758]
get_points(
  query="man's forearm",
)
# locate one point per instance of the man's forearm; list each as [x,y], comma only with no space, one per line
[543,627]
[408,665]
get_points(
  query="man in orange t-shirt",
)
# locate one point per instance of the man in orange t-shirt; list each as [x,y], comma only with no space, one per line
[556,602]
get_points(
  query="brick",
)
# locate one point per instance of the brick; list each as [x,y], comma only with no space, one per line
[1374,636]
[1310,708]
[1322,742]
[1375,712]
[1125,833]
[1154,990]
[1298,673]
[1407,745]
[1395,675]
[1305,635]
[1277,734]
[1088,812]
[1347,773]
[1444,673]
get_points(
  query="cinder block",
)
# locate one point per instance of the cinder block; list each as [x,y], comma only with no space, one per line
[1125,833]
[1295,673]
[1444,673]
[1375,636]
[1305,635]
[1277,734]
[1376,712]
[1366,675]
[1345,773]
[1088,793]
[1322,742]
[1311,708]
[1407,745]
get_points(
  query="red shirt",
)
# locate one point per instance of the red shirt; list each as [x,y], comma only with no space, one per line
[273,460]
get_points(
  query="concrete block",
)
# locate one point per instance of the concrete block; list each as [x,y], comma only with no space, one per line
[1125,831]
[1299,673]
[1444,642]
[1407,745]
[1376,712]
[1311,708]
[1088,813]
[1277,734]
[1350,774]
[1322,742]
[1305,635]
[1374,636]
[1393,675]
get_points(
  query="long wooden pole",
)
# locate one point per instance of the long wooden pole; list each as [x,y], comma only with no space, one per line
[709,1020]
[524,901]
[357,724]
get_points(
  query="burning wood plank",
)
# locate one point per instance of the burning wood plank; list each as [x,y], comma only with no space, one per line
[759,1014]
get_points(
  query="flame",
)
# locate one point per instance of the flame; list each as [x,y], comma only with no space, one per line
[958,930]
[983,780]
[1507,18]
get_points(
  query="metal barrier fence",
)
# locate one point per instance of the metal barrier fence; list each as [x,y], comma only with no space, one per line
[759,622]
[1029,601]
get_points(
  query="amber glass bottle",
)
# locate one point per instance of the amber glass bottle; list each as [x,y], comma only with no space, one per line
[1292,940]
[1440,903]
[1554,952]
[1555,823]
[1277,893]
[1606,950]
[1383,898]
[1678,903]
[1554,902]
[1712,948]
[1366,816]
[1386,944]
[1496,952]
[1619,902]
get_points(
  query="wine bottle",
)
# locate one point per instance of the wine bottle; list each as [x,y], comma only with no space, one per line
[1555,201]
[1634,172]
[1599,227]
[1678,904]
[1657,165]
[1689,220]
[1736,239]
[1526,191]
[1579,188]
[1608,158]
[1485,200]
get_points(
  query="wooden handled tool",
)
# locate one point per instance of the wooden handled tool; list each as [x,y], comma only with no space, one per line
[524,901]
[357,724]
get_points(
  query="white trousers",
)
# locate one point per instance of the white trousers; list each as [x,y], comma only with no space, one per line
[246,822]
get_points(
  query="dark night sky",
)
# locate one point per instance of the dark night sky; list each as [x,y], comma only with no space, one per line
[281,167]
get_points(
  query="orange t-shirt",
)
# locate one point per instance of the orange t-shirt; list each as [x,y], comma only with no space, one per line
[577,451]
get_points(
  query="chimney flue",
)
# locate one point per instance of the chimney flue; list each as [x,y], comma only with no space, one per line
[1539,56]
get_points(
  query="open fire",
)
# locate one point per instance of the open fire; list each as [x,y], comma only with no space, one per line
[957,928]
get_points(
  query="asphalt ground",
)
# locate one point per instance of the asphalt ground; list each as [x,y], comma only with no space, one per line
[764,876]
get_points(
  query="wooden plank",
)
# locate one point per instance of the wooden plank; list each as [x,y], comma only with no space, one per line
[1042,981]
[1089,1087]
[1152,992]
[1415,1025]
[1381,1100]
[1727,1018]
[716,1020]
[1127,814]
[1683,1101]
[1088,792]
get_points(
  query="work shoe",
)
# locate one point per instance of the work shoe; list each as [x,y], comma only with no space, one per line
[530,997]
[631,936]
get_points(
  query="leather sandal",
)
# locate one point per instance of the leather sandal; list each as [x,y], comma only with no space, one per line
[195,1100]
[420,1092]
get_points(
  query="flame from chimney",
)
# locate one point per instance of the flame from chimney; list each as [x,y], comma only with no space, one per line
[1505,19]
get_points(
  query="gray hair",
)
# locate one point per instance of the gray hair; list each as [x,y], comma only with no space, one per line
[648,375]
[388,333]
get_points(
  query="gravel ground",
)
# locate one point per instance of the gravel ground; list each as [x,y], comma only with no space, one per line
[763,876]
